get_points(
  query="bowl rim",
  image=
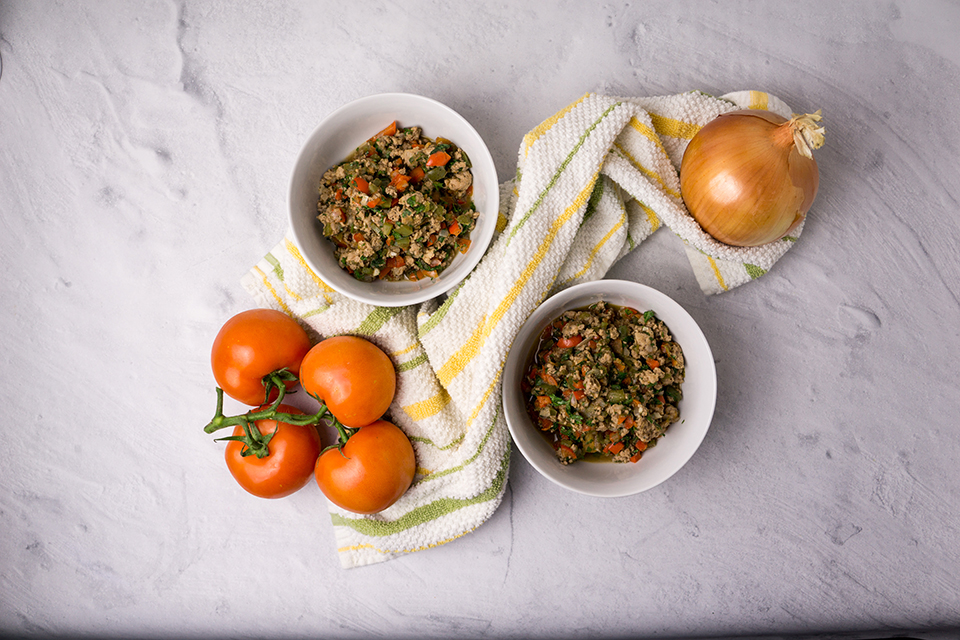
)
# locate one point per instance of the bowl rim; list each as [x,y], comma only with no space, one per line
[564,300]
[482,162]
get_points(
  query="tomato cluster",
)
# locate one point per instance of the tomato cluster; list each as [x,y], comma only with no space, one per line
[257,358]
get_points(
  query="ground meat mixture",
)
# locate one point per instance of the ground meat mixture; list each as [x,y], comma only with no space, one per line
[605,380]
[400,208]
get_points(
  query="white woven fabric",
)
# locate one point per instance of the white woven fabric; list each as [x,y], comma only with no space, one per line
[593,181]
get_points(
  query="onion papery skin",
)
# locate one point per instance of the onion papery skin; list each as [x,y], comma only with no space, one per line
[744,180]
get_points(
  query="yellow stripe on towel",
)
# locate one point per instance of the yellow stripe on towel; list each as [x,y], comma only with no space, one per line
[453,366]
[674,128]
[405,350]
[716,272]
[647,172]
[429,407]
[651,216]
[647,133]
[759,100]
[547,124]
[432,545]
[273,291]
[486,396]
[596,249]
[324,287]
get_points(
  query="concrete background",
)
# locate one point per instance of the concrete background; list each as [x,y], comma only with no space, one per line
[145,150]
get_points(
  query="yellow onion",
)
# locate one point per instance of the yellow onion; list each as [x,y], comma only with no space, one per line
[749,177]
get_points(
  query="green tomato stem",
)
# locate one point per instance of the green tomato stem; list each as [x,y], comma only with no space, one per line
[255,442]
[344,433]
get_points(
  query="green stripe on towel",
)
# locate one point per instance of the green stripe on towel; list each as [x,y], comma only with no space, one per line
[377,318]
[561,168]
[411,364]
[486,437]
[277,269]
[427,512]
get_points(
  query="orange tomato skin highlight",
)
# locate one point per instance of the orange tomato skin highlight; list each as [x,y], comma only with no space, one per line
[293,456]
[253,344]
[375,468]
[353,377]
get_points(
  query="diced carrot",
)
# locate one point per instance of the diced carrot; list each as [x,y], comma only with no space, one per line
[362,184]
[339,195]
[614,448]
[628,423]
[399,180]
[438,159]
[653,364]
[568,343]
[593,345]
[543,401]
[636,456]
[392,263]
[388,131]
[549,379]
[417,174]
[545,425]
[578,394]
[454,229]
[464,244]
[641,445]
[373,202]
[358,237]
[432,240]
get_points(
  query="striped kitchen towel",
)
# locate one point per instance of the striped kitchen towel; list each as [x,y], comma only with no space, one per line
[592,182]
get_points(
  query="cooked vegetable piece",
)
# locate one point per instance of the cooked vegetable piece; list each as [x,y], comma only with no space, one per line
[399,195]
[606,380]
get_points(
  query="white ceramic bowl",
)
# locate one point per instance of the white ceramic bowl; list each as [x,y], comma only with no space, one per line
[673,450]
[342,132]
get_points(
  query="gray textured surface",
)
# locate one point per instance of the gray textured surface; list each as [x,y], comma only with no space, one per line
[144,155]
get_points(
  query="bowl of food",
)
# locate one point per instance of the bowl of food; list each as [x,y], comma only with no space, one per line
[393,199]
[609,388]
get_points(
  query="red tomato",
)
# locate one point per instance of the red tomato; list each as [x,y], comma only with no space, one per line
[294,450]
[251,345]
[375,467]
[353,377]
